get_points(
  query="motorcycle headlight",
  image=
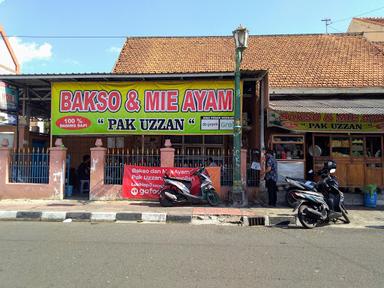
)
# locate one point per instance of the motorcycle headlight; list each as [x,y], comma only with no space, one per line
[332,171]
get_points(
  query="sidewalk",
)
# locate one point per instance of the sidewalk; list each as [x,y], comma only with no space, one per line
[146,211]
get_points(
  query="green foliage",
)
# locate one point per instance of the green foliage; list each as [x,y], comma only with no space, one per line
[371,189]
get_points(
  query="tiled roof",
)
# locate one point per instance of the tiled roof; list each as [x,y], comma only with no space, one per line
[319,60]
[340,106]
[379,45]
[372,20]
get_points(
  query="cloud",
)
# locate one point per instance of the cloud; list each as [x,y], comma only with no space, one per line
[114,50]
[28,51]
[1,1]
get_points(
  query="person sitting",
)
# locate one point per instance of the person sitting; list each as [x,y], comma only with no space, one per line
[84,170]
[211,163]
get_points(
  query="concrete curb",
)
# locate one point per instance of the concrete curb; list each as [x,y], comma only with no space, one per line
[78,216]
[153,217]
[128,216]
[172,218]
[55,216]
[280,220]
[147,217]
[103,217]
[8,215]
[28,215]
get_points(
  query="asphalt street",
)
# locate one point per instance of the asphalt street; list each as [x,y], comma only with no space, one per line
[43,254]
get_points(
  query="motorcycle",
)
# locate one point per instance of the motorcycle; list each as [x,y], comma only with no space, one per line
[196,190]
[298,183]
[314,208]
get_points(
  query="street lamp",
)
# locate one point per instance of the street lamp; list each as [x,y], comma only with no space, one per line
[241,41]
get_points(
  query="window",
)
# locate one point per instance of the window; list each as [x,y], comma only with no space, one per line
[323,143]
[357,147]
[373,146]
[288,147]
[340,146]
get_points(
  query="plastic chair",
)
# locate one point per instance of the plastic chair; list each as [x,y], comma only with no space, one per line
[84,186]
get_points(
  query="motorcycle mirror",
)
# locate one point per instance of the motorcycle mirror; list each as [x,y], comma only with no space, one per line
[332,171]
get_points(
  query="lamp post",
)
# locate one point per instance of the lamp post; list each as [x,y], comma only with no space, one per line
[241,41]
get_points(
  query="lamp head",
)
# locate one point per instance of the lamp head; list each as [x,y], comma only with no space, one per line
[241,37]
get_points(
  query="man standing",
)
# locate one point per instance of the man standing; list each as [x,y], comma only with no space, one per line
[271,177]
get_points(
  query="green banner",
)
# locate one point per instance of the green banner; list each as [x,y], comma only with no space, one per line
[161,108]
[326,122]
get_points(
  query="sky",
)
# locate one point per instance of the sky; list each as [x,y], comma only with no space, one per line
[37,24]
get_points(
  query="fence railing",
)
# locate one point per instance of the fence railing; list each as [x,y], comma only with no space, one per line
[220,158]
[29,166]
[253,177]
[117,158]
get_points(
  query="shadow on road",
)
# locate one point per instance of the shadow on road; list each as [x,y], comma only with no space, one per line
[376,227]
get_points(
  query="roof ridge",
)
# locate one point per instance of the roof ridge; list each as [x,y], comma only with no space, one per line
[373,20]
[251,35]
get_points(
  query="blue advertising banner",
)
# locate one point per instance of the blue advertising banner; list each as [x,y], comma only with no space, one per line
[9,97]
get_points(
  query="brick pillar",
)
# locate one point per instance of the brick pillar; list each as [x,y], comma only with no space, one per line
[4,162]
[167,155]
[57,168]
[98,155]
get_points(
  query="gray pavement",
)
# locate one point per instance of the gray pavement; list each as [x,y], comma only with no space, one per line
[145,211]
[130,255]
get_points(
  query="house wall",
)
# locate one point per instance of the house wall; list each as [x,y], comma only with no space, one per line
[372,32]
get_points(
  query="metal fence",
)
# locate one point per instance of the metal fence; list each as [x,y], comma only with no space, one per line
[221,158]
[117,158]
[253,177]
[29,166]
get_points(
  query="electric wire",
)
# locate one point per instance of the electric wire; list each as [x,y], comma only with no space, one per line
[361,14]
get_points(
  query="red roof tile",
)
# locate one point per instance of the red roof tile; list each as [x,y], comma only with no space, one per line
[336,60]
[372,20]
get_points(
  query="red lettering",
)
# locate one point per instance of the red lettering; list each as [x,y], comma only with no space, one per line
[328,117]
[77,104]
[200,96]
[102,103]
[225,100]
[163,103]
[347,118]
[172,100]
[151,101]
[189,102]
[65,101]
[132,104]
[210,103]
[89,104]
[114,101]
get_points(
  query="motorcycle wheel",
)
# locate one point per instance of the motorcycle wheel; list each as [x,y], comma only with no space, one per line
[305,219]
[289,198]
[164,201]
[344,213]
[213,198]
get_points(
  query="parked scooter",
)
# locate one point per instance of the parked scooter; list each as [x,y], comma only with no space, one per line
[298,183]
[314,208]
[180,191]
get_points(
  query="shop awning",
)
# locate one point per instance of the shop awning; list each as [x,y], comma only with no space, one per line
[328,115]
[333,106]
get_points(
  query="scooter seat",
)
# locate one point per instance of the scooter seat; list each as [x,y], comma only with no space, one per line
[185,181]
[296,179]
[317,194]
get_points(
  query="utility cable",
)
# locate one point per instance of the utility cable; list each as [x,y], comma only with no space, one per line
[364,13]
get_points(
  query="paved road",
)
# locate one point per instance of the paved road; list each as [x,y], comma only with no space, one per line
[155,255]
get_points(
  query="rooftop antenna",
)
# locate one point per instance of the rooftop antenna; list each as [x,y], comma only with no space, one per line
[327,23]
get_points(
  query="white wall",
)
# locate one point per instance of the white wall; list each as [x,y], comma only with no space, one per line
[7,66]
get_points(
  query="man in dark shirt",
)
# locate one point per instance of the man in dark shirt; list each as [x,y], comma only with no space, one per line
[271,177]
[84,168]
